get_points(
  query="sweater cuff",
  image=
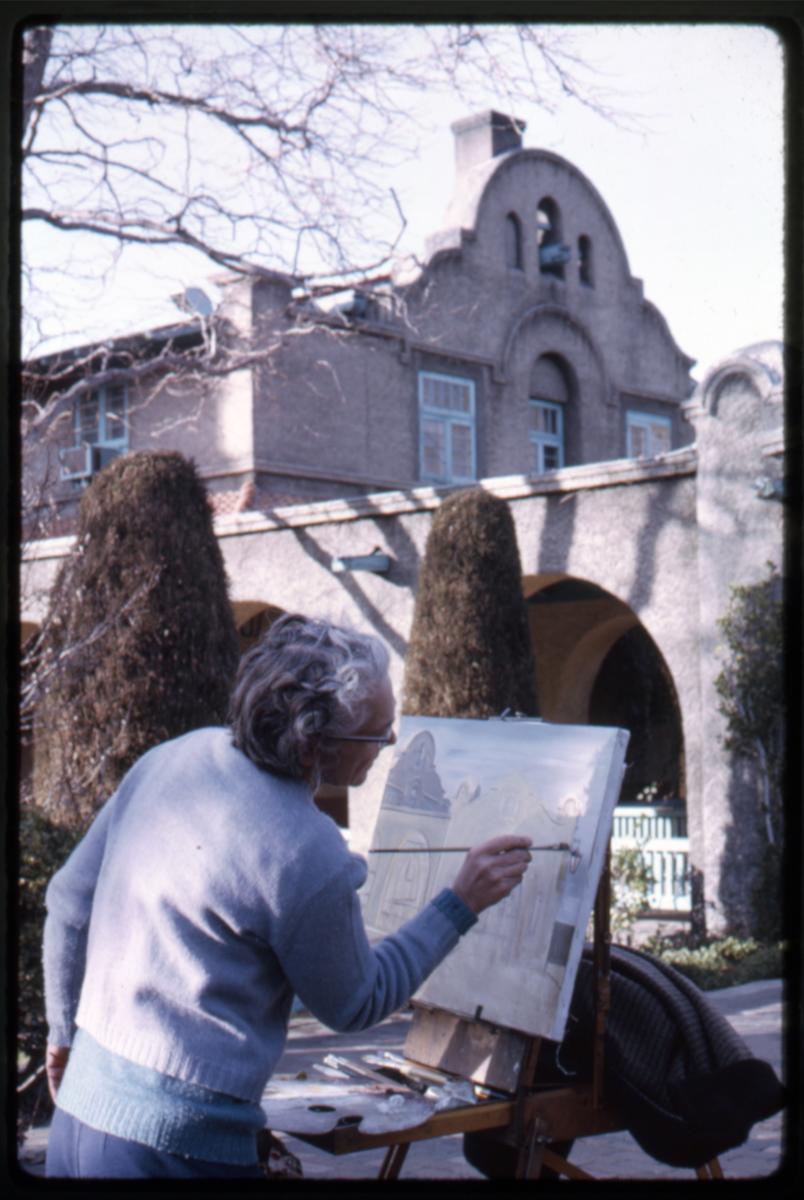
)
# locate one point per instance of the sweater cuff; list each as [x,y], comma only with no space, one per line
[451,905]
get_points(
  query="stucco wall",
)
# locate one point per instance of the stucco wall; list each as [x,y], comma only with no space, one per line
[738,419]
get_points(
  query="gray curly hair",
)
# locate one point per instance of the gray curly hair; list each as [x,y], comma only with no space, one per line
[304,681]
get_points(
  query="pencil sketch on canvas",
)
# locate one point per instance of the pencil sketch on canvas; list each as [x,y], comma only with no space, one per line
[459,782]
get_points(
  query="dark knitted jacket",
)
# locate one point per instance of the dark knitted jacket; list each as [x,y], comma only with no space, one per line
[684,1084]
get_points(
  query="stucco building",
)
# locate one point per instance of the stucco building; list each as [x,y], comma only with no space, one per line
[521,354]
[521,344]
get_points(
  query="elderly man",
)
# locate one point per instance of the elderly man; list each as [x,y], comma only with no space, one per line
[207,892]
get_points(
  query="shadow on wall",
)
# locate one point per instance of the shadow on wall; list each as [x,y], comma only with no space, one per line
[350,585]
[665,507]
[558,532]
[751,899]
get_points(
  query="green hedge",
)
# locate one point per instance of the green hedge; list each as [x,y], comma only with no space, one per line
[722,962]
[43,847]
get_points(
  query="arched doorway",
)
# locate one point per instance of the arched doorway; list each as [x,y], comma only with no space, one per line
[253,618]
[596,664]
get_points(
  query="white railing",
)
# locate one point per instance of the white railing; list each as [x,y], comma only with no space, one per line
[659,832]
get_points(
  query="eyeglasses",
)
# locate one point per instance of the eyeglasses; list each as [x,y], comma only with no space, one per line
[381,739]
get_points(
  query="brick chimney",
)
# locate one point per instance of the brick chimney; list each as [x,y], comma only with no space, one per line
[484,136]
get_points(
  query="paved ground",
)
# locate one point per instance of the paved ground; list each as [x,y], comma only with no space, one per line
[755,1011]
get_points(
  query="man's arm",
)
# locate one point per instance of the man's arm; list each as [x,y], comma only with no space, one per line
[350,985]
[69,906]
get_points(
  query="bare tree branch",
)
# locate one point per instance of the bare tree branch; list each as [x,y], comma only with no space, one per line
[261,149]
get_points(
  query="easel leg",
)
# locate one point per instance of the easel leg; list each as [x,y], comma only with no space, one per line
[531,1154]
[562,1167]
[394,1158]
[710,1170]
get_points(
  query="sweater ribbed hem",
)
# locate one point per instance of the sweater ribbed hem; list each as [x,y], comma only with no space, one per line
[451,905]
[245,1079]
[115,1096]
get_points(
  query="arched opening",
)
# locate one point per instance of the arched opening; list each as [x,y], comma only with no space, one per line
[550,413]
[586,266]
[596,664]
[513,242]
[253,618]
[552,253]
[648,710]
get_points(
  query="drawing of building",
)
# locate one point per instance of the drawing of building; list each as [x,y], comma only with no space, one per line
[413,780]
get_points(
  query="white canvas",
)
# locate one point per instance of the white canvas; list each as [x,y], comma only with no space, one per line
[460,782]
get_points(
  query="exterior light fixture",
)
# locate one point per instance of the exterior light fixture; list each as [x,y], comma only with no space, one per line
[377,562]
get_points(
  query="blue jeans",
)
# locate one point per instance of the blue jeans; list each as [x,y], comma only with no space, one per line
[75,1151]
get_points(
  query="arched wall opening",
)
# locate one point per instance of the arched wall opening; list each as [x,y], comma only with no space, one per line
[552,401]
[253,618]
[596,664]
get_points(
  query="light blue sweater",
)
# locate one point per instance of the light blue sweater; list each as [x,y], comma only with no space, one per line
[205,894]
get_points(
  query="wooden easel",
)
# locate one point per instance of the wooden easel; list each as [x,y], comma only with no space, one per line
[505,1060]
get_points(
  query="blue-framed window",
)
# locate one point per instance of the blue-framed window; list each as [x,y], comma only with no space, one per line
[447,452]
[100,432]
[546,432]
[100,418]
[647,434]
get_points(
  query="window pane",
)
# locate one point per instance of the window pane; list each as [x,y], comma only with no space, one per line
[115,413]
[433,449]
[87,419]
[461,451]
[659,438]
[638,438]
[544,418]
[450,395]
[461,400]
[552,458]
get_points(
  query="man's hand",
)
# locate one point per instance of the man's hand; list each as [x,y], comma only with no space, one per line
[491,870]
[55,1062]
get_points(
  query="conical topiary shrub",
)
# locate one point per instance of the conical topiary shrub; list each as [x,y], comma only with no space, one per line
[139,644]
[470,652]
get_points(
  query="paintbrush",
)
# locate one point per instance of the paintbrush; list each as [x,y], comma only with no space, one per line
[462,849]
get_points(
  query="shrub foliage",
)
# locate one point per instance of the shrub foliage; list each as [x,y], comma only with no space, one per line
[751,698]
[139,644]
[720,962]
[44,846]
[470,652]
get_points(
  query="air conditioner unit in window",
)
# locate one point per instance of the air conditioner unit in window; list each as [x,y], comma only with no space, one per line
[102,456]
[76,462]
[82,462]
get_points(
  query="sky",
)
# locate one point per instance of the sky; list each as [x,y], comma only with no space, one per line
[697,191]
